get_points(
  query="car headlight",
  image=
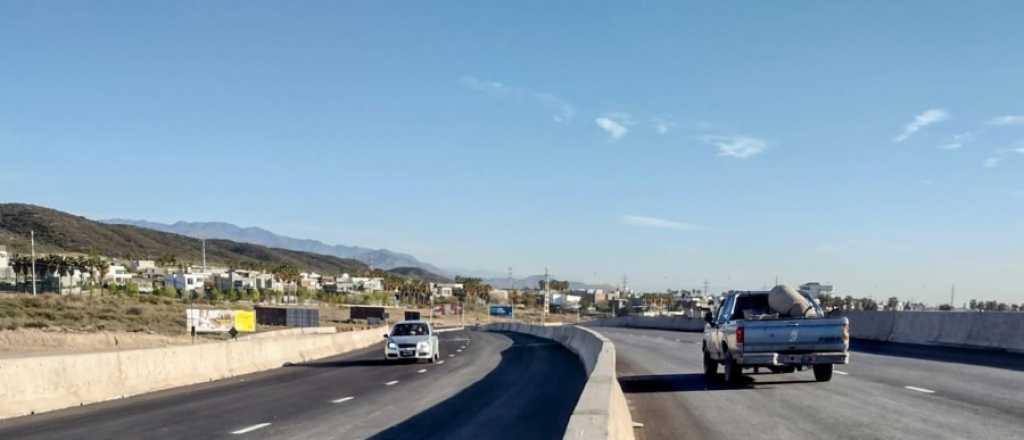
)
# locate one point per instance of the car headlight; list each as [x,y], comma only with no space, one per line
[423,345]
[392,346]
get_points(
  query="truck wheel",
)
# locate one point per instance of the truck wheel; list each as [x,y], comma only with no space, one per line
[732,369]
[823,372]
[710,367]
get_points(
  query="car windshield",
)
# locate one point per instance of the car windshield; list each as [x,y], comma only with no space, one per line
[409,330]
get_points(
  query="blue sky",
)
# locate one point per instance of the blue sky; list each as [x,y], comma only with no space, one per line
[874,145]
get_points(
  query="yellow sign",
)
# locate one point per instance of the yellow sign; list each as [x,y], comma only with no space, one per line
[245,321]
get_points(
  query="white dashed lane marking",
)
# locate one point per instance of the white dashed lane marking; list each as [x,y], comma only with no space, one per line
[343,399]
[451,355]
[920,390]
[440,362]
[424,370]
[391,383]
[842,372]
[250,428]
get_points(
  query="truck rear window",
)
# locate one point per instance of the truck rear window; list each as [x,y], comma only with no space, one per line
[751,305]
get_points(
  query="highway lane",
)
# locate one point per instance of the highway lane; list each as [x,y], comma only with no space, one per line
[491,385]
[876,396]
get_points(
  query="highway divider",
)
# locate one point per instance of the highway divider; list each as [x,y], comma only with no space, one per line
[44,383]
[602,411]
[656,322]
[979,330]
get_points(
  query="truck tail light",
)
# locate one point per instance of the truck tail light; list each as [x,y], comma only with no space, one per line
[739,335]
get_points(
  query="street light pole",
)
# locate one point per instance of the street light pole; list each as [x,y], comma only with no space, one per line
[32,238]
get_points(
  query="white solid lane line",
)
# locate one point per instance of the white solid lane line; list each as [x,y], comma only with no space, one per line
[424,370]
[391,383]
[251,428]
[842,372]
[343,399]
[922,390]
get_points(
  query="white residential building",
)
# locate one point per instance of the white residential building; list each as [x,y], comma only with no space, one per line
[235,280]
[5,264]
[117,274]
[188,281]
[445,290]
[310,280]
[369,284]
[139,266]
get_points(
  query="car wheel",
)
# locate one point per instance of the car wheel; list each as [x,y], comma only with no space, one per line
[732,369]
[710,366]
[823,372]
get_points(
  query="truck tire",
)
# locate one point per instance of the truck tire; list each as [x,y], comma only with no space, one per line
[732,369]
[710,367]
[823,372]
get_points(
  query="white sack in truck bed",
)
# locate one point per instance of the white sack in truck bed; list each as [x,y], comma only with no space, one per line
[788,302]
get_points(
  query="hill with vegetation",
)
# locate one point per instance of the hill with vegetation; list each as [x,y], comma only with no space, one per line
[417,273]
[60,232]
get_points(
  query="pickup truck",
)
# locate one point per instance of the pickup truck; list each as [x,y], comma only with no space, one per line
[743,333]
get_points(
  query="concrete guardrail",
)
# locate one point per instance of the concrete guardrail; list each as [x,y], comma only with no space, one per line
[655,322]
[48,382]
[602,411]
[980,330]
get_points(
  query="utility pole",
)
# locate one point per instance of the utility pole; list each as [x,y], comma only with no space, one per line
[32,234]
[544,306]
[707,288]
[952,297]
[204,255]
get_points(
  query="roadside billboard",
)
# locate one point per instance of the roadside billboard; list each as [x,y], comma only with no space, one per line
[219,320]
[245,320]
[501,310]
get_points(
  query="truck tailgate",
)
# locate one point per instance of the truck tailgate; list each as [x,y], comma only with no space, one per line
[795,336]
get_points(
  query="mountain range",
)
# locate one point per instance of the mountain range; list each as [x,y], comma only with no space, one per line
[378,258]
[60,232]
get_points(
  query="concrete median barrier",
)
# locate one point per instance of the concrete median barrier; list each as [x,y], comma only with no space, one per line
[989,330]
[45,383]
[678,323]
[602,411]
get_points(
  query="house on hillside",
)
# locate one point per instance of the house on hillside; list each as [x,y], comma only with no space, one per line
[117,275]
[310,280]
[6,272]
[188,281]
[235,280]
[369,284]
[445,290]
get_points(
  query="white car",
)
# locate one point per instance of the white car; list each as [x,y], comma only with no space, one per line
[412,340]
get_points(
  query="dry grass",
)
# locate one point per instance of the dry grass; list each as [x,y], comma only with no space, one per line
[148,314]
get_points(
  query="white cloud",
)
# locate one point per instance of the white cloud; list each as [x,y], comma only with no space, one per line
[740,147]
[927,182]
[662,126]
[992,162]
[951,146]
[1007,120]
[929,117]
[1019,150]
[614,129]
[561,110]
[654,222]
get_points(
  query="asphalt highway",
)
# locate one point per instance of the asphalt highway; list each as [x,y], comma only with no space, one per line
[883,393]
[490,385]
